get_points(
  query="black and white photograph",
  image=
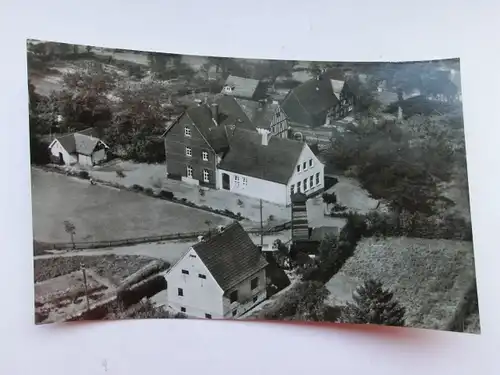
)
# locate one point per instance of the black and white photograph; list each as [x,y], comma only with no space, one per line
[184,186]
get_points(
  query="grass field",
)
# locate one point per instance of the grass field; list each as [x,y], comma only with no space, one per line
[102,213]
[112,267]
[429,277]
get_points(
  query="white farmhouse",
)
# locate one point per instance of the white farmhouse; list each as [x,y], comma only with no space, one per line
[222,276]
[268,168]
[81,147]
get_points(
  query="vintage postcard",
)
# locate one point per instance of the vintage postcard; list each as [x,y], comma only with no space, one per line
[169,186]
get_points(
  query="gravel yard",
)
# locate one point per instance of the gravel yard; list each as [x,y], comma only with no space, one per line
[103,213]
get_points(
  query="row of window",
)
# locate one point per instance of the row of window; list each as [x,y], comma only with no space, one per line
[244,180]
[206,173]
[208,316]
[278,128]
[200,275]
[306,184]
[204,154]
[304,165]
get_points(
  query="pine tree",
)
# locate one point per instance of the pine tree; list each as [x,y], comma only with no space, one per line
[374,305]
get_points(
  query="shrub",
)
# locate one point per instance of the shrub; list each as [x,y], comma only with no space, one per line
[84,174]
[137,188]
[120,174]
[240,203]
[165,194]
[149,191]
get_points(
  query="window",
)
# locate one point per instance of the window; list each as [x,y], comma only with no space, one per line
[180,292]
[311,182]
[189,152]
[235,312]
[304,166]
[298,187]
[236,179]
[185,272]
[255,299]
[298,168]
[233,296]
[305,184]
[189,171]
[310,162]
[204,156]
[244,181]
[183,309]
[187,132]
[317,178]
[208,316]
[254,283]
[201,276]
[206,176]
[292,189]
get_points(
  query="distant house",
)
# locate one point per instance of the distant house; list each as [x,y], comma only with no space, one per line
[197,140]
[222,276]
[267,115]
[268,168]
[321,100]
[245,88]
[83,147]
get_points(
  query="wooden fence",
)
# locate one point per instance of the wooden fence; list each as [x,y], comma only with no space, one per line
[83,245]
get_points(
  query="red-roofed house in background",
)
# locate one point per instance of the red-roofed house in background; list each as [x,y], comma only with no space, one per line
[222,276]
[83,147]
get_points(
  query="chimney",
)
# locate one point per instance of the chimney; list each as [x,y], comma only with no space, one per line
[215,113]
[264,134]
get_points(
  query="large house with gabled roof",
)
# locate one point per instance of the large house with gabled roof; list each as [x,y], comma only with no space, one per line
[221,276]
[321,100]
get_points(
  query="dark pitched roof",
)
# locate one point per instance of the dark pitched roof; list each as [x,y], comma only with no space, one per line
[247,156]
[310,100]
[82,142]
[230,256]
[259,112]
[242,87]
[229,113]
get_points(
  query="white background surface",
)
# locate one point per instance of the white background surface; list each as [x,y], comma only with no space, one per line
[322,30]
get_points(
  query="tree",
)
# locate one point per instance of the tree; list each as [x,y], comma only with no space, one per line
[327,247]
[329,198]
[311,302]
[374,305]
[70,228]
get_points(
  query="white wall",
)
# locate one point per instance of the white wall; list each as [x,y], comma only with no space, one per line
[201,296]
[57,148]
[84,159]
[255,187]
[99,156]
[245,296]
[317,167]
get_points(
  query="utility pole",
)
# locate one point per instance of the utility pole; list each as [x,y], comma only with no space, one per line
[82,266]
[261,226]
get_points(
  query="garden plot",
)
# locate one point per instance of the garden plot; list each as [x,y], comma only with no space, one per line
[101,213]
[430,278]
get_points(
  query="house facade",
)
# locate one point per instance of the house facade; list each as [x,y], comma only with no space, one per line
[197,140]
[269,168]
[84,148]
[222,276]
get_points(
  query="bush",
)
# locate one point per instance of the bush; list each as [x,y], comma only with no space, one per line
[120,174]
[137,188]
[84,174]
[149,191]
[165,194]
